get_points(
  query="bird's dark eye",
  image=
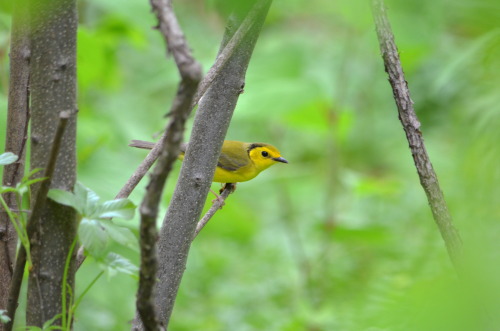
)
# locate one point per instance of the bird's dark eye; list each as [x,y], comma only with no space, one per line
[265,154]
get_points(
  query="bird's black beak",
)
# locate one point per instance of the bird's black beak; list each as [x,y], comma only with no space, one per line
[280,159]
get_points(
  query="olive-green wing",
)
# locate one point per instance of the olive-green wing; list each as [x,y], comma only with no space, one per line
[233,156]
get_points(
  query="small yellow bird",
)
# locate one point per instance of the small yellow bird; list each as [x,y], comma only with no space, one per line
[238,161]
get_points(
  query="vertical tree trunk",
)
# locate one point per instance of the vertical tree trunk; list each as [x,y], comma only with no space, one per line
[17,123]
[53,89]
[209,130]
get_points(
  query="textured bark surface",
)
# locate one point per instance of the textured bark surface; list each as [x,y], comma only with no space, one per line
[17,124]
[411,126]
[53,90]
[190,71]
[209,129]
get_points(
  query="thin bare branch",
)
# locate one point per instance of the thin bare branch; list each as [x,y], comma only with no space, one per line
[32,227]
[169,146]
[209,130]
[15,140]
[217,204]
[176,43]
[141,171]
[228,50]
[411,126]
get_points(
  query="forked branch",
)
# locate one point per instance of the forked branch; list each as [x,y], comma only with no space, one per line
[169,148]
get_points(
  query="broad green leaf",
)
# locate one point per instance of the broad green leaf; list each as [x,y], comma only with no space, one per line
[64,198]
[93,236]
[122,208]
[121,234]
[87,199]
[8,158]
[114,263]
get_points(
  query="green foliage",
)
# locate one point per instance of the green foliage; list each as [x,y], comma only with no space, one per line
[22,194]
[342,237]
[95,231]
[47,325]
[96,228]
[7,158]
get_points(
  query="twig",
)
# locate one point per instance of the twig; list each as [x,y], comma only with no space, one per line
[191,74]
[218,203]
[32,227]
[228,50]
[15,139]
[189,69]
[141,171]
[411,126]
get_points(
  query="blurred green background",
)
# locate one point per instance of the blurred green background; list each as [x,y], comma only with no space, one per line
[342,237]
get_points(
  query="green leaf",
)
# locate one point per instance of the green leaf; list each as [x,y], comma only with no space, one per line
[64,198]
[6,189]
[122,208]
[31,173]
[93,236]
[48,324]
[26,181]
[3,316]
[86,199]
[8,158]
[121,235]
[114,263]
[33,181]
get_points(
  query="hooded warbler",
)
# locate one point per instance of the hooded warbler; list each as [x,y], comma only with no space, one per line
[238,161]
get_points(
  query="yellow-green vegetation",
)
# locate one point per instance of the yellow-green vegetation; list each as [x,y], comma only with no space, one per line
[341,238]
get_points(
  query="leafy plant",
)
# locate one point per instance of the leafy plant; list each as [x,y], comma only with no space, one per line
[48,325]
[18,218]
[96,228]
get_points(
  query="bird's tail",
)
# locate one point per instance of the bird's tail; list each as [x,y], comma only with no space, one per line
[141,144]
[149,145]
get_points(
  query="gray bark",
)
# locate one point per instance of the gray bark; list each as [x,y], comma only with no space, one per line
[411,126]
[190,71]
[53,90]
[17,124]
[209,129]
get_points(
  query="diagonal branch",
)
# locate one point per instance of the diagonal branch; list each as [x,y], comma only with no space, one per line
[228,50]
[15,140]
[141,171]
[411,126]
[214,71]
[209,129]
[228,189]
[176,43]
[32,227]
[191,74]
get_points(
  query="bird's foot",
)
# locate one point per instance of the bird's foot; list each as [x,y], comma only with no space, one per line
[218,198]
[231,187]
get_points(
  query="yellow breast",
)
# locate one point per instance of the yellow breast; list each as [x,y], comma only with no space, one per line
[241,175]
